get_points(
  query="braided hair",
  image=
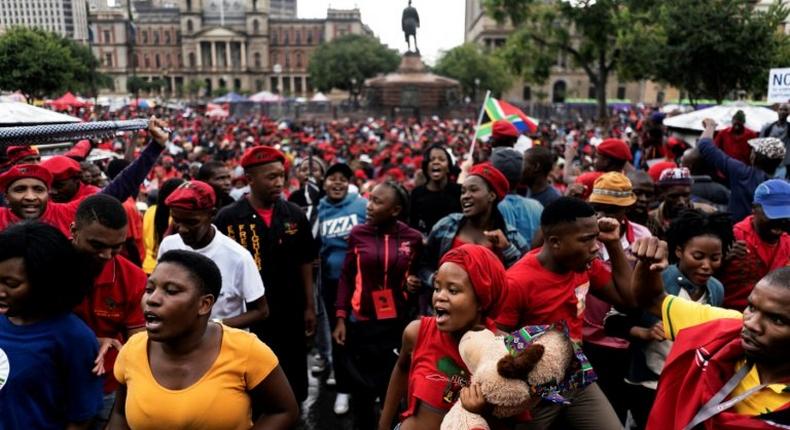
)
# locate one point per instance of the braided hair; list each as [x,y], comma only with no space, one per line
[403,198]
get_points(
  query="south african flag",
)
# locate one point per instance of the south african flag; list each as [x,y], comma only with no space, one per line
[498,109]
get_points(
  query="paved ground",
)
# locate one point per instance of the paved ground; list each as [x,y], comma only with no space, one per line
[317,413]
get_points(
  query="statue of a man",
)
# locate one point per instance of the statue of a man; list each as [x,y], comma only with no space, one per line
[410,22]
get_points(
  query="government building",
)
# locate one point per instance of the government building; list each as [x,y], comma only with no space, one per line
[210,45]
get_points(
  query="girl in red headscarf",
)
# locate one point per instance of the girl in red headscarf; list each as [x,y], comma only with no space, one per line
[468,291]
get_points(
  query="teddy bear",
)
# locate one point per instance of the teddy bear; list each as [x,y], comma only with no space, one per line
[508,381]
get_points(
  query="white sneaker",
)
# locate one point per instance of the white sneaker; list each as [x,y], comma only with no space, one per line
[319,365]
[341,403]
[330,380]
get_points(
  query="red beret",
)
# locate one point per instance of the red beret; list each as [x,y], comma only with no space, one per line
[655,170]
[615,148]
[16,153]
[193,196]
[588,180]
[62,168]
[79,151]
[22,171]
[261,155]
[493,177]
[673,142]
[503,128]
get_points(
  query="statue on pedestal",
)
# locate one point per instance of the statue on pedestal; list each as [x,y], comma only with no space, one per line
[410,22]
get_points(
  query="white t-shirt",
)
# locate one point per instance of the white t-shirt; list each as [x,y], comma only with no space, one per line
[241,280]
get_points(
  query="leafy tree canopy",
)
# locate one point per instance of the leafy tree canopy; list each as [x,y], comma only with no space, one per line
[334,64]
[466,63]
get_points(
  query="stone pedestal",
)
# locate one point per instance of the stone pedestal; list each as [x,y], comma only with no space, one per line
[411,86]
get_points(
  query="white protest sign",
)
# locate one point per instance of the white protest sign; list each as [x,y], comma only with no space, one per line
[779,85]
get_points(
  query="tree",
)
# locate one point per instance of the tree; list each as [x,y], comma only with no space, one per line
[86,78]
[194,86]
[35,62]
[466,63]
[584,31]
[710,48]
[42,63]
[334,64]
[135,84]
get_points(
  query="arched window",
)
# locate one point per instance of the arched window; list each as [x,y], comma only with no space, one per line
[257,60]
[192,60]
[285,38]
[190,28]
[558,93]
[299,60]
[156,38]
[189,5]
[287,60]
[275,58]
[157,62]
[274,37]
[298,37]
[256,26]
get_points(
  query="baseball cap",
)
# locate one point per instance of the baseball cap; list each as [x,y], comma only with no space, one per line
[774,197]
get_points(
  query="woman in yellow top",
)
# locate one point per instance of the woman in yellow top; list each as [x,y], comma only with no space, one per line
[155,223]
[186,373]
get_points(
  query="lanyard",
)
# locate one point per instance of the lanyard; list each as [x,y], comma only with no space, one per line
[717,405]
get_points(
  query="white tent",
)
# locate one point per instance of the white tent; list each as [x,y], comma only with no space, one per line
[14,97]
[756,117]
[15,114]
[264,97]
[319,97]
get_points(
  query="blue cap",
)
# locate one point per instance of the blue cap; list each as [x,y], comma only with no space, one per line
[774,197]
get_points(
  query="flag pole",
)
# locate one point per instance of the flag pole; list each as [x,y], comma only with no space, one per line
[470,156]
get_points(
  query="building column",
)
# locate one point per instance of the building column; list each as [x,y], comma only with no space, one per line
[280,88]
[293,78]
[199,57]
[213,55]
[228,64]
[243,55]
[173,89]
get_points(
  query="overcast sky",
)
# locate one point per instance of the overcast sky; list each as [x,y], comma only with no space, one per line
[441,21]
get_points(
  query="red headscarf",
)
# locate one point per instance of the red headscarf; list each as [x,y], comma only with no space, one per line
[486,273]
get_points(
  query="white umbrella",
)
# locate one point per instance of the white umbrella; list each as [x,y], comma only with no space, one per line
[15,114]
[756,117]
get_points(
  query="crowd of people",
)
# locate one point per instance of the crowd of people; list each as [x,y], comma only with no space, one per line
[195,278]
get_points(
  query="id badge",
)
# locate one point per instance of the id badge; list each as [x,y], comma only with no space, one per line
[384,303]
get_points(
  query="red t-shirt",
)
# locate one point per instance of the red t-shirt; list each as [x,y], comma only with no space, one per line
[740,276]
[266,215]
[85,190]
[539,296]
[59,215]
[735,145]
[113,307]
